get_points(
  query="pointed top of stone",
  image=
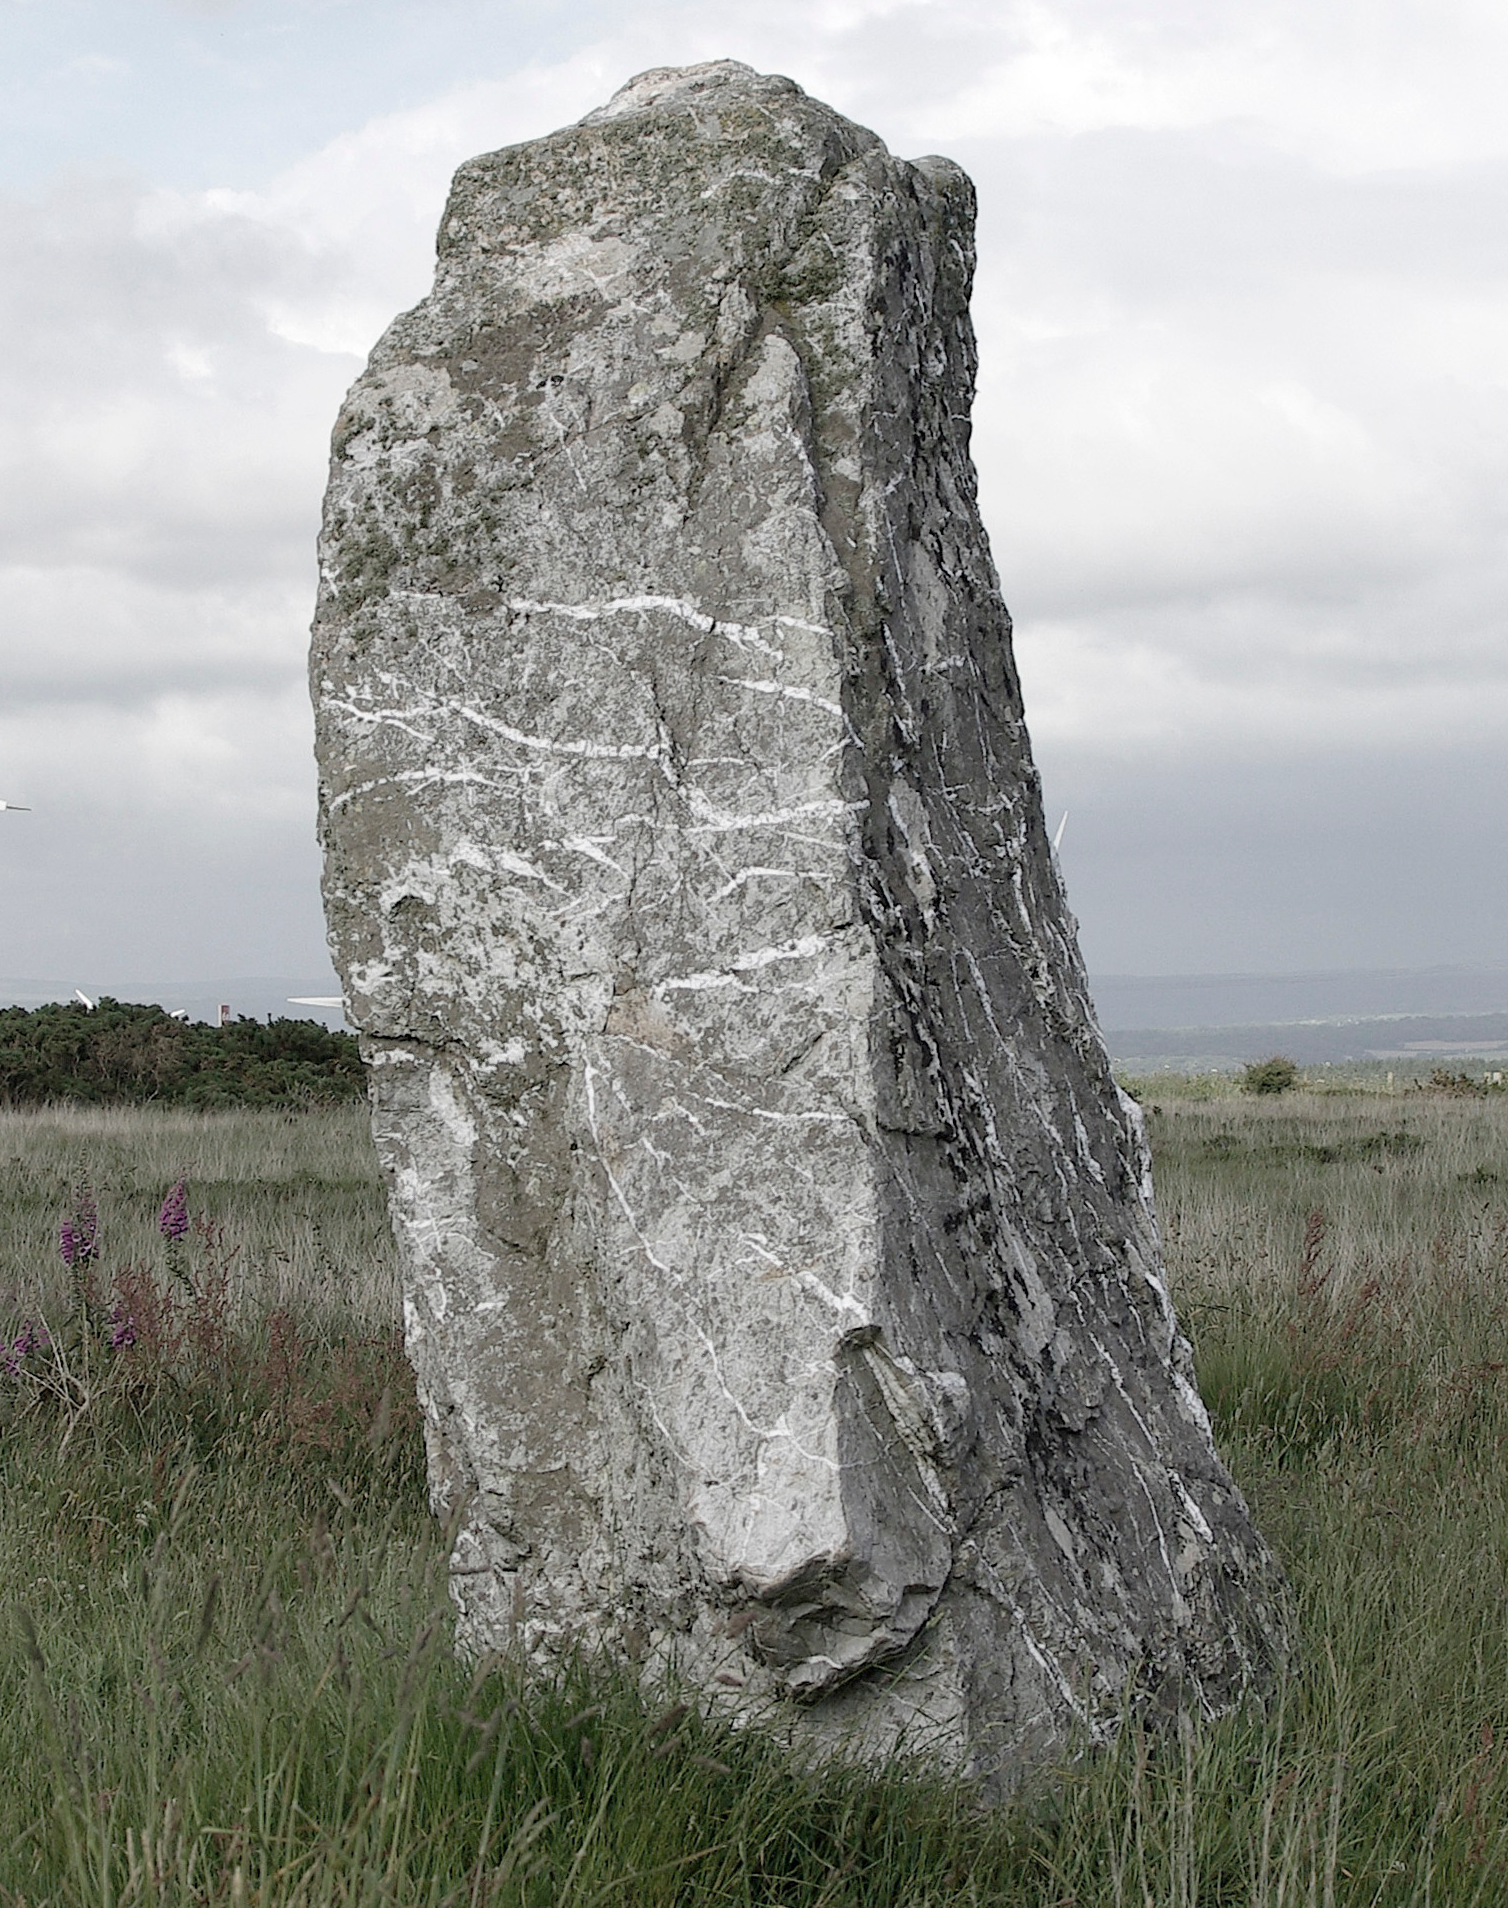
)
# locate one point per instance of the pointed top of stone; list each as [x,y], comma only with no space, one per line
[691,86]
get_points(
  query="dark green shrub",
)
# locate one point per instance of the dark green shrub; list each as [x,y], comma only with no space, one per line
[119,1053]
[1471,1085]
[1276,1075]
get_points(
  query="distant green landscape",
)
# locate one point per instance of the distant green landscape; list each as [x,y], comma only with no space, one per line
[121,1054]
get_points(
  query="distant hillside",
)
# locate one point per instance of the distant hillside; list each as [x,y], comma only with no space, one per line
[1403,1037]
[1174,1001]
[118,1053]
[1189,1023]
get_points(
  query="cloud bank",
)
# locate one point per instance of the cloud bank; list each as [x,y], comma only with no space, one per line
[1242,433]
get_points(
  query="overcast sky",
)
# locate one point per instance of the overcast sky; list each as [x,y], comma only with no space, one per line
[1242,432]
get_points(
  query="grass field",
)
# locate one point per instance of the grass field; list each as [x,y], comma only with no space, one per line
[225,1672]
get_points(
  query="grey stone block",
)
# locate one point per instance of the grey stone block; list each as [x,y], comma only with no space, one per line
[782,1277]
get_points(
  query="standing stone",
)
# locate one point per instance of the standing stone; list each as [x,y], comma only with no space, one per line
[782,1279]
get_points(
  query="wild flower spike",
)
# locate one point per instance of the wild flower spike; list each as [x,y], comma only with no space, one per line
[78,1237]
[173,1220]
[86,1225]
[30,1338]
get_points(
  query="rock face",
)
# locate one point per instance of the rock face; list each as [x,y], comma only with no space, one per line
[782,1279]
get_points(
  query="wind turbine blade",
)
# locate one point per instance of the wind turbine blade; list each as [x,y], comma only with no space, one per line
[1057,840]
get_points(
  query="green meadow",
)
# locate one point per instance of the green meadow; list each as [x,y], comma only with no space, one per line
[225,1664]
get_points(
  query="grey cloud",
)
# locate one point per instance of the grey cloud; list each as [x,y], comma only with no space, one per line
[103,638]
[1243,437]
[113,894]
[1244,862]
[1263,647]
[1162,216]
[153,421]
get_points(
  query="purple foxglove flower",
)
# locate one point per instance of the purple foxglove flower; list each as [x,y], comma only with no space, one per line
[78,1237]
[86,1226]
[173,1220]
[122,1328]
[30,1338]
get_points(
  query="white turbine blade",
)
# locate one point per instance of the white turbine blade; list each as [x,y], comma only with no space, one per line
[79,994]
[315,1000]
[19,807]
[1057,840]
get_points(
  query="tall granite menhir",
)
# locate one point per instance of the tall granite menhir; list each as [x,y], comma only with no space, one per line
[782,1279]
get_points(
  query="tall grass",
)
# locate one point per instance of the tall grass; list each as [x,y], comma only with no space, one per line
[226,1674]
[297,1193]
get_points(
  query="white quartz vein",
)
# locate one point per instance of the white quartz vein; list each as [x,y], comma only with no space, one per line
[803,950]
[778,1432]
[589,1080]
[404,719]
[844,1303]
[792,692]
[1043,1658]
[714,821]
[743,634]
[554,745]
[415,779]
[1190,1509]
[1139,1472]
[385,718]
[590,846]
[516,864]
[779,1119]
[746,875]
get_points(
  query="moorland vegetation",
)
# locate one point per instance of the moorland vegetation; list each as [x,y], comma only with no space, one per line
[225,1668]
[121,1053]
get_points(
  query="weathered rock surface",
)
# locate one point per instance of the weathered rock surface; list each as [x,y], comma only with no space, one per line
[782,1279]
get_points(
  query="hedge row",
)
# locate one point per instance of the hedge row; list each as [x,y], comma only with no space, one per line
[119,1053]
